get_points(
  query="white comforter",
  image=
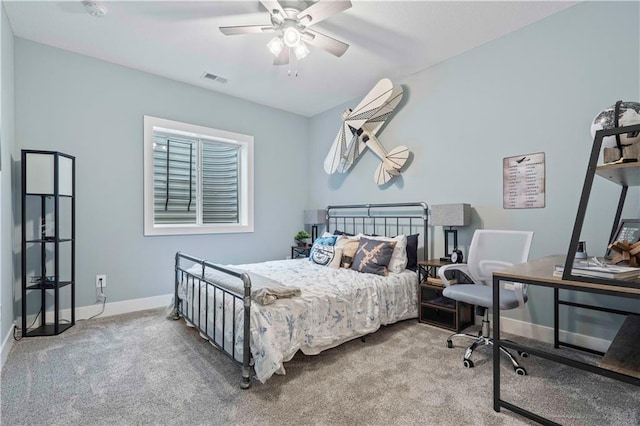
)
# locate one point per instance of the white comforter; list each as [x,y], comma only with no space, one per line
[335,305]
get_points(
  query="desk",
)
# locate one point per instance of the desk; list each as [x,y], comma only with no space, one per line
[540,272]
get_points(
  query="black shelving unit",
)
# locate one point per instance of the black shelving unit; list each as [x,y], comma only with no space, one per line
[48,241]
[622,174]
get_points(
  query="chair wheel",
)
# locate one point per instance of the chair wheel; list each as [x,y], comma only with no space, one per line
[449,344]
[520,371]
[467,363]
[523,354]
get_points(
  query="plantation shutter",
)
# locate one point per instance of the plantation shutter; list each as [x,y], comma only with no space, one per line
[175,178]
[219,183]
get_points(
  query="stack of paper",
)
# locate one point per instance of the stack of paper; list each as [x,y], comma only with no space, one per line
[599,270]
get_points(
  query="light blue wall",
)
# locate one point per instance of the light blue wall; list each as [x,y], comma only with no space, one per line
[535,90]
[94,110]
[7,240]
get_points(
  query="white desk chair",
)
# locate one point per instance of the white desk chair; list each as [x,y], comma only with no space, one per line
[490,250]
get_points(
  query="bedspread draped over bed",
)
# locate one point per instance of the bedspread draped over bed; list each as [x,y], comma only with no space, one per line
[334,306]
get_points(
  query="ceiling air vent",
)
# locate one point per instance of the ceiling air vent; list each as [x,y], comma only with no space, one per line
[213,77]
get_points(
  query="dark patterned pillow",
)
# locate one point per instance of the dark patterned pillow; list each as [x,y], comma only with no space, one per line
[412,252]
[322,251]
[338,232]
[373,256]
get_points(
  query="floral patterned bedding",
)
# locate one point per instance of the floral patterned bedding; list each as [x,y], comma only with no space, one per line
[335,305]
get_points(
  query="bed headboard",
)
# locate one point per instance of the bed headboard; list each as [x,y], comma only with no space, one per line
[382,219]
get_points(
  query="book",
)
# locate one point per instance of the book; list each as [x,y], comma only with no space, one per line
[599,270]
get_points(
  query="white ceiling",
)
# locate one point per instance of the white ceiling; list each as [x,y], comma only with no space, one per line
[180,40]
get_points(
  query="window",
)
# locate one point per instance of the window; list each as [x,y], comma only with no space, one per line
[197,180]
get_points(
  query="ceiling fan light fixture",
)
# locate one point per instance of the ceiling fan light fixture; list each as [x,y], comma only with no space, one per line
[275,45]
[301,50]
[291,36]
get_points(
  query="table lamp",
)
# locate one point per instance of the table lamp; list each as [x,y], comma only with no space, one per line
[450,215]
[314,218]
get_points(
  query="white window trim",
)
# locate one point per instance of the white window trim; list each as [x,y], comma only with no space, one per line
[246,179]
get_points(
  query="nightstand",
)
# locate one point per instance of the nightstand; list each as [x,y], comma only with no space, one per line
[435,309]
[300,251]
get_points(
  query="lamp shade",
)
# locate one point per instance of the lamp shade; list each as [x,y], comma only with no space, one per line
[451,214]
[314,217]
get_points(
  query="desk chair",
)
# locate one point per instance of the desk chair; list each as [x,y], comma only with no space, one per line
[490,250]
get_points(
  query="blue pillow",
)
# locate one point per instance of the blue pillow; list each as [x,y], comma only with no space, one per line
[323,250]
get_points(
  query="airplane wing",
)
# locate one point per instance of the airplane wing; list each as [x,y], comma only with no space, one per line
[339,146]
[345,149]
[376,121]
[355,147]
[369,107]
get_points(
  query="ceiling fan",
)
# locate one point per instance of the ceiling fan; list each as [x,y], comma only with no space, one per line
[291,25]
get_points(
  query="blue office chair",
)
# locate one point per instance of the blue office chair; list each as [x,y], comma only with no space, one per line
[490,250]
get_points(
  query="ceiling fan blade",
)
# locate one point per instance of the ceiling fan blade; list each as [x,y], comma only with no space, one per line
[246,29]
[324,42]
[322,10]
[272,6]
[283,57]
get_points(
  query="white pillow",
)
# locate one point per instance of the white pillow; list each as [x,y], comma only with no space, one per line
[399,258]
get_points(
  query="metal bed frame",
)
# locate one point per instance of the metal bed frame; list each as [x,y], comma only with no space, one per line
[380,219]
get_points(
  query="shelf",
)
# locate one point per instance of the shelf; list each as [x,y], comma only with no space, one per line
[435,309]
[625,174]
[48,330]
[49,240]
[48,286]
[48,201]
[441,303]
[33,194]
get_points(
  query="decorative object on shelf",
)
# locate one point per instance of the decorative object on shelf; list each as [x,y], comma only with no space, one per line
[302,238]
[581,251]
[315,218]
[624,251]
[358,131]
[48,241]
[523,181]
[450,215]
[622,247]
[620,147]
[291,26]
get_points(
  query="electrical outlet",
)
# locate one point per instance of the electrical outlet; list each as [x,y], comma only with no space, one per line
[101,281]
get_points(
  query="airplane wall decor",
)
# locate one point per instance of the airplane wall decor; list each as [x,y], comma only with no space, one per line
[358,131]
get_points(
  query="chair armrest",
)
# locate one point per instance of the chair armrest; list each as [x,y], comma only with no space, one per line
[461,267]
[488,267]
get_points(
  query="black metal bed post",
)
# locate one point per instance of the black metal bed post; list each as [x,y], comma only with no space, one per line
[176,299]
[246,347]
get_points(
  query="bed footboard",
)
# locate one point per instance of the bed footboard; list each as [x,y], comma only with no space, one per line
[215,327]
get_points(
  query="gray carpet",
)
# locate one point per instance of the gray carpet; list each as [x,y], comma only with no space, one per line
[143,368]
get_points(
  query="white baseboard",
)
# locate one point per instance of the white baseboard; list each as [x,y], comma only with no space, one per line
[6,346]
[123,307]
[545,334]
[110,308]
